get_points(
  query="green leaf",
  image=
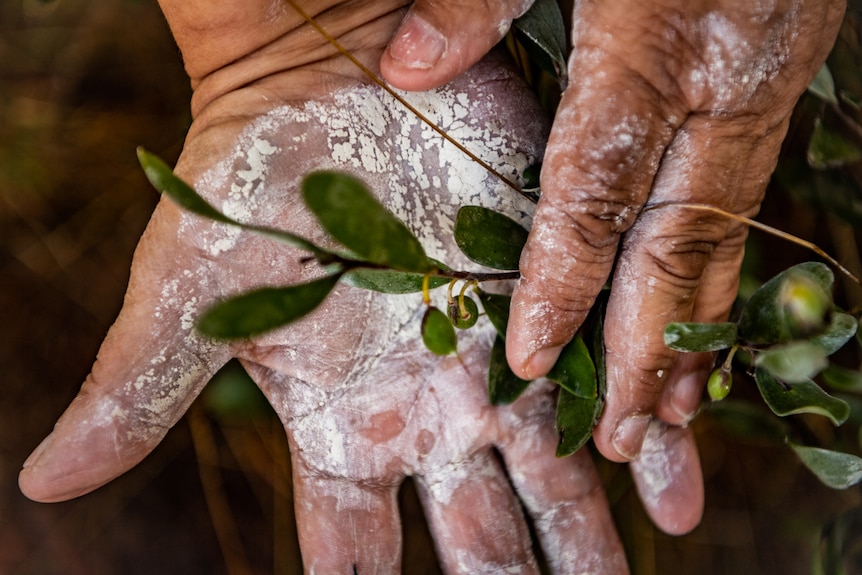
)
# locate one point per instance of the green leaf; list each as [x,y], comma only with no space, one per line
[835,469]
[823,86]
[543,34]
[532,176]
[504,386]
[795,362]
[576,417]
[497,309]
[749,422]
[842,379]
[438,333]
[265,309]
[164,180]
[690,336]
[459,320]
[805,397]
[351,215]
[575,371]
[764,318]
[390,281]
[829,149]
[841,329]
[489,238]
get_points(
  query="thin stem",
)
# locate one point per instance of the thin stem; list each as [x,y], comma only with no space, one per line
[377,80]
[461,307]
[426,293]
[728,361]
[762,227]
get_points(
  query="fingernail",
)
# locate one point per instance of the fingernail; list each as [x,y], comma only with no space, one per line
[418,45]
[542,361]
[34,458]
[685,396]
[629,435]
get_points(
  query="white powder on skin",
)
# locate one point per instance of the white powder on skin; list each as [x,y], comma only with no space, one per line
[331,376]
[656,466]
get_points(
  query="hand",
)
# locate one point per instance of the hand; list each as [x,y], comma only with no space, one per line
[362,402]
[668,102]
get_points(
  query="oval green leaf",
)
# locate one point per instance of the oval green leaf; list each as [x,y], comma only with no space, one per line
[690,336]
[265,309]
[576,418]
[167,183]
[749,422]
[390,281]
[497,309]
[763,319]
[543,34]
[823,86]
[835,469]
[575,371]
[438,333]
[794,362]
[804,397]
[841,329]
[842,379]
[504,386]
[354,217]
[489,238]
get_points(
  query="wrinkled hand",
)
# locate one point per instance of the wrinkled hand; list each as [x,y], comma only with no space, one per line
[668,102]
[362,402]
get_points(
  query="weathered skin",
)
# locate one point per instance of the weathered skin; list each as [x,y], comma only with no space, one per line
[668,101]
[363,403]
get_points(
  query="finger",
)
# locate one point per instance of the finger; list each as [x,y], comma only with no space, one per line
[149,369]
[605,147]
[475,518]
[563,496]
[440,39]
[663,264]
[668,478]
[346,526]
[683,395]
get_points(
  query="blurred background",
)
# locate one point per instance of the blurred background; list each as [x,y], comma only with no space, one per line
[82,84]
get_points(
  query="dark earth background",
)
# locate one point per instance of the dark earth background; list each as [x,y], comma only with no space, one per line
[82,84]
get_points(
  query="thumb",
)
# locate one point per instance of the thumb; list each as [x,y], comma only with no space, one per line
[149,369]
[440,39]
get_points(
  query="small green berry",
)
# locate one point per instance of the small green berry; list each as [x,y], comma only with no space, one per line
[805,304]
[461,320]
[719,384]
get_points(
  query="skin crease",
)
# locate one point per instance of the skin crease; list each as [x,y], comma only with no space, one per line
[668,101]
[362,402]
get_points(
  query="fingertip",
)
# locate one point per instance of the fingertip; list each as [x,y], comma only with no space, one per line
[52,474]
[530,366]
[669,480]
[412,60]
[417,45]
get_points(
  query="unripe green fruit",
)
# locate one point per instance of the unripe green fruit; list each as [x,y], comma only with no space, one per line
[805,305]
[719,383]
[460,320]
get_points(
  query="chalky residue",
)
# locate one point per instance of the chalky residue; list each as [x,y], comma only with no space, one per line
[734,67]
[656,466]
[360,354]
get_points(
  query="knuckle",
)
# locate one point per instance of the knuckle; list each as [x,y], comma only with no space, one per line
[679,253]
